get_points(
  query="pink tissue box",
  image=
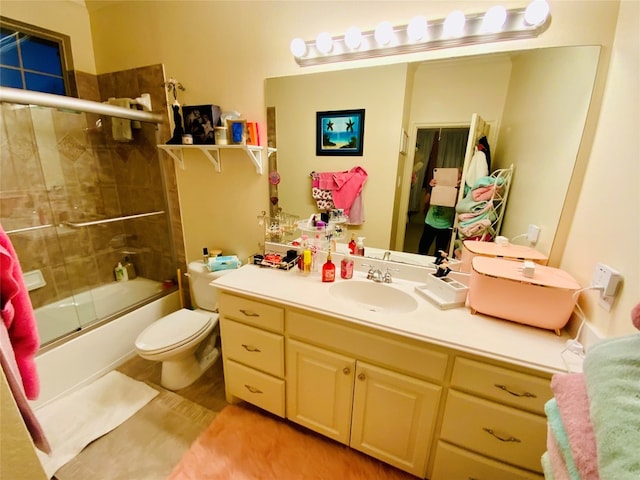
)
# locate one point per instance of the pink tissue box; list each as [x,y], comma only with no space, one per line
[498,287]
[472,248]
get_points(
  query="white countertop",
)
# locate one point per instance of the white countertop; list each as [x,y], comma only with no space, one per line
[455,328]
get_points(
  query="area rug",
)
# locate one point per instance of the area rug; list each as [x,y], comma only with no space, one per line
[73,421]
[244,444]
[145,447]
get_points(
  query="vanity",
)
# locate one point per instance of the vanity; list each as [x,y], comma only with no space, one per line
[442,394]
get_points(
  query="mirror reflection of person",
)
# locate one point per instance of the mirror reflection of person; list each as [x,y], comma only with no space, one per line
[437,224]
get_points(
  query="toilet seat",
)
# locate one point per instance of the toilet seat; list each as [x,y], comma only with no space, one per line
[174,330]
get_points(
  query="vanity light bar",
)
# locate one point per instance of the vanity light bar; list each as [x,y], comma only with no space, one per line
[518,23]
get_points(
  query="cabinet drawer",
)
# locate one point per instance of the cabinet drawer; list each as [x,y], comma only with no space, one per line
[500,432]
[454,463]
[416,360]
[252,346]
[252,312]
[506,386]
[254,387]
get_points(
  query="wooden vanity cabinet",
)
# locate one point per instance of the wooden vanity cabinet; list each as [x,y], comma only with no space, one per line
[435,412]
[351,386]
[252,335]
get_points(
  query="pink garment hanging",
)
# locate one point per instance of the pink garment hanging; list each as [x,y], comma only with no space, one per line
[348,187]
[18,317]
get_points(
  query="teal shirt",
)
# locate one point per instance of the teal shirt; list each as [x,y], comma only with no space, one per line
[440,217]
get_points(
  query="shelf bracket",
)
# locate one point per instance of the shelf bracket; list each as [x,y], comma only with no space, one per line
[255,154]
[175,153]
[213,154]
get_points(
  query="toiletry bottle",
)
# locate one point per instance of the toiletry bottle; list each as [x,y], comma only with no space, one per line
[352,244]
[328,270]
[315,249]
[130,268]
[306,261]
[360,246]
[346,266]
[304,245]
[121,273]
[205,255]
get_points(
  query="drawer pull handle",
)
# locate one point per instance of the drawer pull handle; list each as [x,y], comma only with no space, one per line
[250,348]
[252,389]
[506,389]
[361,376]
[502,439]
[248,313]
[346,370]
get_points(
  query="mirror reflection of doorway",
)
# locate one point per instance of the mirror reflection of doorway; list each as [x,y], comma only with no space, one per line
[435,148]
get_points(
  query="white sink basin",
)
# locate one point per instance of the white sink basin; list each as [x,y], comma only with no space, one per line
[375,297]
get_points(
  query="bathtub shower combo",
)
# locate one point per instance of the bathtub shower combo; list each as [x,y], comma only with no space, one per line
[75,202]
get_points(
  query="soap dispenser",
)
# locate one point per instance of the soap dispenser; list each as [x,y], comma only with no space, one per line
[328,270]
[352,244]
[360,246]
[346,266]
[120,273]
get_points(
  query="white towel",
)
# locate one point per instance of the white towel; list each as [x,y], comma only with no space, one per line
[121,127]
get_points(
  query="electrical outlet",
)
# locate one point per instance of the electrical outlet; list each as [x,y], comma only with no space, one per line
[533,233]
[608,279]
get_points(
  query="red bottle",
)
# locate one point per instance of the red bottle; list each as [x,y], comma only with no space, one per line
[352,244]
[328,270]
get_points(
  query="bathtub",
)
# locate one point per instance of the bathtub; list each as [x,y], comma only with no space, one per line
[81,310]
[86,357]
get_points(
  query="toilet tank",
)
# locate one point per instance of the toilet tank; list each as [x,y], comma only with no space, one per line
[204,295]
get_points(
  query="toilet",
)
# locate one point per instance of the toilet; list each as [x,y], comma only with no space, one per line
[175,339]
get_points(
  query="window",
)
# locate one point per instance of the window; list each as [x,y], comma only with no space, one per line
[32,58]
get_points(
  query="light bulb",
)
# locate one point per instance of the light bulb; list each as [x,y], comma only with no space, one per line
[383,33]
[353,38]
[494,19]
[324,42]
[298,47]
[454,24]
[417,29]
[536,13]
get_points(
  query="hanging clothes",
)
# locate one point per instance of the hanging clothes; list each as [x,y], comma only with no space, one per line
[341,190]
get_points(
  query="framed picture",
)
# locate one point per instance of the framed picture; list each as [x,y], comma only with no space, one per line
[237,132]
[340,132]
[199,122]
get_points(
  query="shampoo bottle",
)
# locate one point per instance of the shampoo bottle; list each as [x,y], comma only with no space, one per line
[328,270]
[346,266]
[131,270]
[304,245]
[360,247]
[120,273]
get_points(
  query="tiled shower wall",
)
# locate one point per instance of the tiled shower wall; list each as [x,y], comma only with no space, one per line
[61,167]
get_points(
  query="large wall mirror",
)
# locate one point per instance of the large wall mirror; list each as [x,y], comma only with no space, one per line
[534,102]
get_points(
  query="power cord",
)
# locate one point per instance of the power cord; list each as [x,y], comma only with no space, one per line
[573,345]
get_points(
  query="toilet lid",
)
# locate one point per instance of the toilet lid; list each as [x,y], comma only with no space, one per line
[172,330]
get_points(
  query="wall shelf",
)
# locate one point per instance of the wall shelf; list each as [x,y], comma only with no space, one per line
[212,152]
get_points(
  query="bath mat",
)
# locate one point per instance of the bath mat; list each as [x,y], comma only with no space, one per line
[73,421]
[145,447]
[242,443]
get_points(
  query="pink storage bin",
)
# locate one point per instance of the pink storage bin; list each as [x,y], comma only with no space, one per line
[472,248]
[497,287]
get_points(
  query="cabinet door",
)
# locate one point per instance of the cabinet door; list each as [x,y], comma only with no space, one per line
[393,417]
[320,390]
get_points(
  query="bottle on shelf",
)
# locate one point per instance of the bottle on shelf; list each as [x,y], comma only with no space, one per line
[130,268]
[328,270]
[120,273]
[352,244]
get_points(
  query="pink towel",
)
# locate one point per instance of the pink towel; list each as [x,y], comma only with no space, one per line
[18,317]
[570,392]
[348,187]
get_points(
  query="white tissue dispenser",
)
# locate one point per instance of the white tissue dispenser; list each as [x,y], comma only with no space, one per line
[444,292]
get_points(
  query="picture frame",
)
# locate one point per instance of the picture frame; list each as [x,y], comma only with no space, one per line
[200,121]
[237,132]
[340,132]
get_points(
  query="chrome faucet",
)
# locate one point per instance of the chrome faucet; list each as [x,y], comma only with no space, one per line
[376,274]
[386,256]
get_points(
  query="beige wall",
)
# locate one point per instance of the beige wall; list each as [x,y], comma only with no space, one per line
[223,51]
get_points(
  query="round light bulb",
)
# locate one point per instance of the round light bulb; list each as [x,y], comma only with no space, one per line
[454,24]
[383,33]
[417,29]
[324,42]
[494,19]
[536,13]
[353,38]
[298,47]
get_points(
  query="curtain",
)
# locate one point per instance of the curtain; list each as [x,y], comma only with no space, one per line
[424,144]
[453,143]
